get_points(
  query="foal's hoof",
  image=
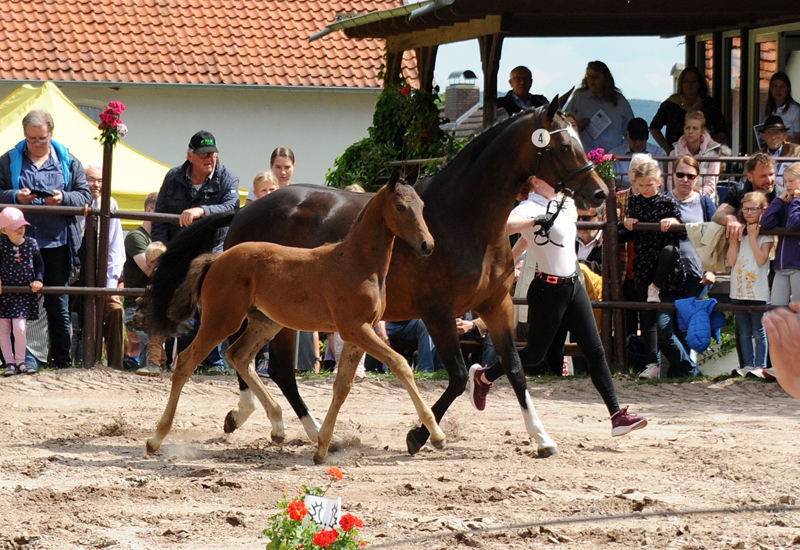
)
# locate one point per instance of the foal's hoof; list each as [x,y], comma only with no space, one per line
[277,439]
[152,446]
[230,423]
[546,452]
[320,458]
[413,443]
[440,444]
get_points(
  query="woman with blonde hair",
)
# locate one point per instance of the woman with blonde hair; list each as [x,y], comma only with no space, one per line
[697,143]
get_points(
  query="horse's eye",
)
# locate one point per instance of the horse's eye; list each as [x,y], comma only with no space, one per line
[566,148]
[400,208]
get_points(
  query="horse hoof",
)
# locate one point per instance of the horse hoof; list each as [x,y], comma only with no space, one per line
[546,452]
[230,423]
[277,439]
[320,458]
[152,447]
[440,444]
[413,444]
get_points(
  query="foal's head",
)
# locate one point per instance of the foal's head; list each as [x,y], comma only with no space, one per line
[402,211]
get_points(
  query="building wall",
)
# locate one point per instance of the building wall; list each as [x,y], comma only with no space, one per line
[317,124]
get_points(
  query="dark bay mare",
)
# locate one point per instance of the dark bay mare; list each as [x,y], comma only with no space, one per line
[467,205]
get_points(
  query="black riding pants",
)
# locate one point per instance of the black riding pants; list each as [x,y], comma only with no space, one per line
[550,306]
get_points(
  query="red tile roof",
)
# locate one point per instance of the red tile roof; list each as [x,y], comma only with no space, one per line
[245,42]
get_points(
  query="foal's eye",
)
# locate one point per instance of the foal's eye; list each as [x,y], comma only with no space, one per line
[400,208]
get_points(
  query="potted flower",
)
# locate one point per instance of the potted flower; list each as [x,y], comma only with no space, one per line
[603,163]
[310,521]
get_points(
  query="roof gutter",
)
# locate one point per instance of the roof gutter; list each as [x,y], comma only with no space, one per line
[412,10]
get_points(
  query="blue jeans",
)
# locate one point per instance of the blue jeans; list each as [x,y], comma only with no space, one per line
[215,357]
[750,330]
[415,330]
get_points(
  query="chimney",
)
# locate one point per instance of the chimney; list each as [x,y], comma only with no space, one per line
[461,94]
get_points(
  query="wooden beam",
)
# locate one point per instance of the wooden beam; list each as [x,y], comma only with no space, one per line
[474,28]
[491,47]
[426,62]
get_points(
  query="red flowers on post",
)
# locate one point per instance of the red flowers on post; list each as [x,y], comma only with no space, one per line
[111,127]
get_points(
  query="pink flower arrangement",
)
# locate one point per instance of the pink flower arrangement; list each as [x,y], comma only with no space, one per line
[603,162]
[111,127]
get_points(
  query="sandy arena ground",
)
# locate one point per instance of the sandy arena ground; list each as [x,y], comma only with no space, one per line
[73,472]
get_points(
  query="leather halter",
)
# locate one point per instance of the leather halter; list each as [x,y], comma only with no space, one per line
[557,165]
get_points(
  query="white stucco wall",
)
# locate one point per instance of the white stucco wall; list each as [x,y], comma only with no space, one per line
[317,124]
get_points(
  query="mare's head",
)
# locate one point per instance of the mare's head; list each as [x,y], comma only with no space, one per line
[402,211]
[554,153]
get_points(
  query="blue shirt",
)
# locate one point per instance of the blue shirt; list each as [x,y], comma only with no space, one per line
[585,105]
[49,231]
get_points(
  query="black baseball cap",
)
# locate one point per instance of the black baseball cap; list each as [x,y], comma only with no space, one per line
[637,129]
[203,142]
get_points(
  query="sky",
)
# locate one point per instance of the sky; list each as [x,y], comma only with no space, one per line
[640,65]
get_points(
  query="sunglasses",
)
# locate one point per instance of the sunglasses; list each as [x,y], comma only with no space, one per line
[586,218]
[683,175]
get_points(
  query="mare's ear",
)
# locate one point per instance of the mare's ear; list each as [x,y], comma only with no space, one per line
[565,97]
[413,176]
[393,179]
[553,108]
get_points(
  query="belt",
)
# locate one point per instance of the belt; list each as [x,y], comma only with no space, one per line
[555,280]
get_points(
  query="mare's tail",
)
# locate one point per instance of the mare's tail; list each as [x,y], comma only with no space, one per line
[186,298]
[173,265]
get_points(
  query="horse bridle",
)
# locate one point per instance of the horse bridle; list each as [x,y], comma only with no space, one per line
[558,166]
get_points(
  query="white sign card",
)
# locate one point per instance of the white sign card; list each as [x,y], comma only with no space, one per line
[598,123]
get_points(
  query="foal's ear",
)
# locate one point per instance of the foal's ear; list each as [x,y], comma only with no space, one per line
[393,179]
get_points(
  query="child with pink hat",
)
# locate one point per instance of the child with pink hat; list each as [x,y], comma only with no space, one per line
[20,265]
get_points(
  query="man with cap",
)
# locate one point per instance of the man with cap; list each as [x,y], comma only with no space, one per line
[519,97]
[199,187]
[636,142]
[776,136]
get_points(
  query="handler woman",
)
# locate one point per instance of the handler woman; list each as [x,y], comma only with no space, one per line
[555,296]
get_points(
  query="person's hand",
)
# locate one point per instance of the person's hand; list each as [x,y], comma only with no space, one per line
[24,196]
[734,230]
[463,326]
[191,214]
[114,299]
[709,278]
[36,286]
[629,223]
[666,223]
[796,193]
[55,200]
[753,229]
[783,333]
[545,220]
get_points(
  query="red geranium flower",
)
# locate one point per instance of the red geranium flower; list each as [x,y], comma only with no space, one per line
[406,90]
[426,133]
[325,537]
[349,521]
[297,509]
[336,472]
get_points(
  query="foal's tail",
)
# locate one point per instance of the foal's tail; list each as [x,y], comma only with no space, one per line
[173,265]
[186,298]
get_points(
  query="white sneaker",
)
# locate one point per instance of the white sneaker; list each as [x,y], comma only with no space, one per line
[769,374]
[650,371]
[653,294]
[744,371]
[361,372]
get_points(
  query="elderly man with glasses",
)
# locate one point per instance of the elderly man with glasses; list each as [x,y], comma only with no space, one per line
[519,97]
[41,171]
[777,144]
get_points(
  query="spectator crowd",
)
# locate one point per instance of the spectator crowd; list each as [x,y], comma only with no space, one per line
[683,184]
